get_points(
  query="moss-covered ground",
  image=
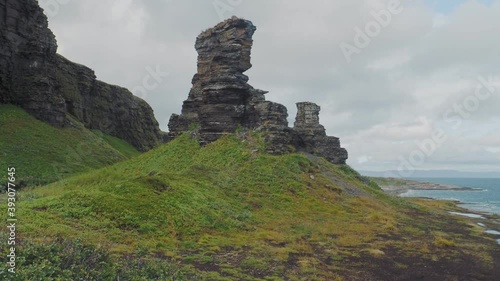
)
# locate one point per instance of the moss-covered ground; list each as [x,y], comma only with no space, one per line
[229,211]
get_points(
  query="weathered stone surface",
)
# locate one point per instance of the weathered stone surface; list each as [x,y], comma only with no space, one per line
[311,136]
[217,99]
[49,86]
[308,116]
[221,100]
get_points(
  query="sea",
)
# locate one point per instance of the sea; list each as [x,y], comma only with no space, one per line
[484,195]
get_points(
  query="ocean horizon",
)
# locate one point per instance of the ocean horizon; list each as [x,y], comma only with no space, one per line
[484,195]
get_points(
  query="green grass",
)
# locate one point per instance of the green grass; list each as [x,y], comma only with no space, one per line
[389,181]
[119,145]
[75,260]
[42,153]
[226,211]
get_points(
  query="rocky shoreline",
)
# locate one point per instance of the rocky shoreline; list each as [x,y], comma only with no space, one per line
[397,186]
[489,223]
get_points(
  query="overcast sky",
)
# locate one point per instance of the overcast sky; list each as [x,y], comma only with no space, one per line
[410,85]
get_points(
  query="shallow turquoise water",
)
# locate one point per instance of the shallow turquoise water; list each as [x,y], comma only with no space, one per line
[485,197]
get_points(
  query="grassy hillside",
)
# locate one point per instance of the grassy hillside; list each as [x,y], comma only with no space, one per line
[229,211]
[42,153]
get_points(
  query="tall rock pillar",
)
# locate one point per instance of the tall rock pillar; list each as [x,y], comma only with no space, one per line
[221,100]
[311,135]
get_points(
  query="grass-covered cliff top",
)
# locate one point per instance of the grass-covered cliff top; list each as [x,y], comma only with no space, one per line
[229,211]
[43,153]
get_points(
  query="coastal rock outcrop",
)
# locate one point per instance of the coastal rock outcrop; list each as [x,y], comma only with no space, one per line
[221,101]
[50,87]
[311,135]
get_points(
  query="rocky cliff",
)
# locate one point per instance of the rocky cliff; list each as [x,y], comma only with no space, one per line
[221,101]
[48,86]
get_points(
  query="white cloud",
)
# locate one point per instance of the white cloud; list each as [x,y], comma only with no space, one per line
[439,20]
[417,67]
[391,62]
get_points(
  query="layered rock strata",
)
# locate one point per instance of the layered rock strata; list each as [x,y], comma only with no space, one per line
[50,87]
[311,135]
[221,101]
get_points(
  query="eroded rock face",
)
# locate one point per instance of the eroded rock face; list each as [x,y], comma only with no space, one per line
[220,90]
[50,87]
[221,100]
[311,135]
